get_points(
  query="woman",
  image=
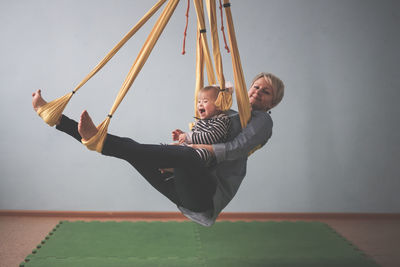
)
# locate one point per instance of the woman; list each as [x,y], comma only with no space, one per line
[199,192]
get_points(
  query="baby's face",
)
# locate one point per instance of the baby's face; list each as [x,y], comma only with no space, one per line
[206,105]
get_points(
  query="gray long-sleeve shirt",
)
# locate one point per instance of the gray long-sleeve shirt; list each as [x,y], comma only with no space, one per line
[232,160]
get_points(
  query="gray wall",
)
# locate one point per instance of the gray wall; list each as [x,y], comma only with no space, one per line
[335,147]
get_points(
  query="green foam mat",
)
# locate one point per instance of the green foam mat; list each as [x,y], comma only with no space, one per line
[188,244]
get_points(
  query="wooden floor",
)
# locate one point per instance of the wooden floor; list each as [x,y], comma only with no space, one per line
[378,238]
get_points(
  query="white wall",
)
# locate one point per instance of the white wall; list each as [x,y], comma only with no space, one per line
[336,141]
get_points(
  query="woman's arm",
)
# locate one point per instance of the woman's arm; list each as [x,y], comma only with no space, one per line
[257,132]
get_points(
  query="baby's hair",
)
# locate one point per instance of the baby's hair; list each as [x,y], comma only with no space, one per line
[214,89]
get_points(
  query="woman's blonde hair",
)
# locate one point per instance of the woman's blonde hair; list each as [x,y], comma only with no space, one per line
[276,83]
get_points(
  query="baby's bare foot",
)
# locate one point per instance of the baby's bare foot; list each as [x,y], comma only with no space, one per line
[37,100]
[86,127]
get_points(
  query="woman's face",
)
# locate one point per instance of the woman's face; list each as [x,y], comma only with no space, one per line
[261,95]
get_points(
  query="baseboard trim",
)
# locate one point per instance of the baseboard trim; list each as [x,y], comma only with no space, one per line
[144,215]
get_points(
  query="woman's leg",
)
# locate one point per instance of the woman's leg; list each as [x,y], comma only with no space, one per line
[69,127]
[192,182]
[158,180]
[192,186]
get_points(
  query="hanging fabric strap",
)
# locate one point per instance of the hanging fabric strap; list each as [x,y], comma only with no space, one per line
[51,112]
[215,42]
[199,72]
[224,100]
[203,41]
[240,84]
[202,54]
[97,141]
[121,43]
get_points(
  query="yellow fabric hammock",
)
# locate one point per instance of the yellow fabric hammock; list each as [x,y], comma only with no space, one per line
[52,111]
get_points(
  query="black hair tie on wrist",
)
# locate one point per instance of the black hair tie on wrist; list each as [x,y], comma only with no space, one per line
[226,5]
[73,92]
[202,30]
[109,115]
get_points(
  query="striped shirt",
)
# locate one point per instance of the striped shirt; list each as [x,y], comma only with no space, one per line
[209,131]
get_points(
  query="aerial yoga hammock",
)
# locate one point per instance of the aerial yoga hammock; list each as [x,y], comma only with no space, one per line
[52,111]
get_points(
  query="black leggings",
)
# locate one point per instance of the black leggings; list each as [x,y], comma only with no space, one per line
[191,186]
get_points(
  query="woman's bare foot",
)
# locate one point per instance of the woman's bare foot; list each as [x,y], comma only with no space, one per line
[37,100]
[86,127]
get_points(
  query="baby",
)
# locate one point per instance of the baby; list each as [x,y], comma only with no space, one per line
[212,127]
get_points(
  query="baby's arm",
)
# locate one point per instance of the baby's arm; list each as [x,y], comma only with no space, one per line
[178,135]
